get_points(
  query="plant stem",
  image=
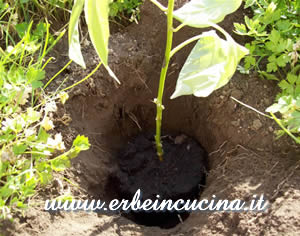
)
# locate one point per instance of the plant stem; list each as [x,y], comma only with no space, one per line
[84,79]
[284,129]
[183,44]
[163,74]
[58,73]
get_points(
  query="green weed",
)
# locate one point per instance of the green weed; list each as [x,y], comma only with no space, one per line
[125,9]
[275,30]
[274,54]
[30,149]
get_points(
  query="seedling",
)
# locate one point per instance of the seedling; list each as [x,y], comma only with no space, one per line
[210,65]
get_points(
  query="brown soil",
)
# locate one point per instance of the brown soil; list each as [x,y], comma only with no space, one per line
[180,175]
[244,156]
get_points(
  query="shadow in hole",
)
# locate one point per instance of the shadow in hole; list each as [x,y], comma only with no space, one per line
[181,175]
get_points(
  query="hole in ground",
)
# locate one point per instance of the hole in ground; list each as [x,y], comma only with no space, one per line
[115,116]
[123,158]
[181,175]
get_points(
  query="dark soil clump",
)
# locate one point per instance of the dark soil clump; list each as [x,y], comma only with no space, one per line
[181,175]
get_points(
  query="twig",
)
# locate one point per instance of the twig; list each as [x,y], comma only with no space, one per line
[251,108]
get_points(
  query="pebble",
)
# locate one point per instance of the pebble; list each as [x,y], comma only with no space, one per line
[267,102]
[236,123]
[180,139]
[238,94]
[257,124]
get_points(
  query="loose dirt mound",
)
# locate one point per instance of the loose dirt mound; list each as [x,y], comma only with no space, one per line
[244,157]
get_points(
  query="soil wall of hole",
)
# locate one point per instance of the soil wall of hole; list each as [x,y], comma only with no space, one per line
[244,157]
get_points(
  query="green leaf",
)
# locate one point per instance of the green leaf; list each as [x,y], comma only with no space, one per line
[34,74]
[298,102]
[200,13]
[250,60]
[297,92]
[284,85]
[209,66]
[274,36]
[40,30]
[282,45]
[21,29]
[43,135]
[250,47]
[81,142]
[282,60]
[6,191]
[271,67]
[283,24]
[269,14]
[73,152]
[240,29]
[294,122]
[74,42]
[19,149]
[274,108]
[6,138]
[36,84]
[268,76]
[96,15]
[247,21]
[271,46]
[45,176]
[60,163]
[249,3]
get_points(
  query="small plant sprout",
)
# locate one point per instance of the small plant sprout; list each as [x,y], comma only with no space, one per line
[210,65]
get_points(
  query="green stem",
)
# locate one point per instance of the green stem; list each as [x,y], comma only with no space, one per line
[163,74]
[58,73]
[84,79]
[179,27]
[284,129]
[183,44]
[188,41]
[258,4]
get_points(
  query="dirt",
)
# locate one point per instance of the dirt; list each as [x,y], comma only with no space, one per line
[244,159]
[180,175]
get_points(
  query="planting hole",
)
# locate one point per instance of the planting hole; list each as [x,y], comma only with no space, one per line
[181,175]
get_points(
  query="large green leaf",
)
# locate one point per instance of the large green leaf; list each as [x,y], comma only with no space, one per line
[74,42]
[96,15]
[200,13]
[209,66]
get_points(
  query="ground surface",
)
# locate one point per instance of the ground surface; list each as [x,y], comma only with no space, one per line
[244,156]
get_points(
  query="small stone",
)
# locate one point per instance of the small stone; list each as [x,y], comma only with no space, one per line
[222,97]
[271,129]
[180,139]
[267,102]
[236,123]
[237,94]
[257,124]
